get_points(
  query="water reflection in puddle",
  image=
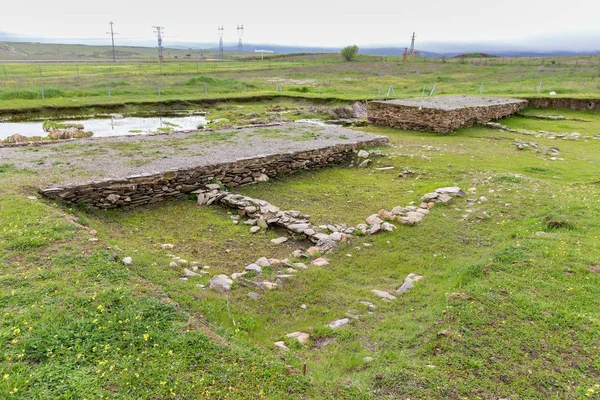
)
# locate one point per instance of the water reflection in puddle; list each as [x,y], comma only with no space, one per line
[103,127]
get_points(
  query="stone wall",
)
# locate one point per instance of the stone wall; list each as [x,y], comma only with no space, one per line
[568,103]
[383,113]
[144,189]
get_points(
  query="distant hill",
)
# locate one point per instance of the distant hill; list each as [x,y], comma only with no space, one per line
[475,55]
[13,49]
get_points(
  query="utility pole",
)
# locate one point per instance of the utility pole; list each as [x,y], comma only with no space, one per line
[240,30]
[112,37]
[220,29]
[411,52]
[158,30]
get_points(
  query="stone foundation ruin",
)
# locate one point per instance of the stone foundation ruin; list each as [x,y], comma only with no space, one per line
[441,114]
[150,188]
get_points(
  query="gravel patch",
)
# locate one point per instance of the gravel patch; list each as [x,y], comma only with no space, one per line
[119,157]
[453,102]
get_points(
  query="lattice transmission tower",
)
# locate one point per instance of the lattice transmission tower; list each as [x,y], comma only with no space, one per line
[220,30]
[411,51]
[159,31]
[240,31]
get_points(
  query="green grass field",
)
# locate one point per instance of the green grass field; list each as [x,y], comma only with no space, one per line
[313,76]
[508,307]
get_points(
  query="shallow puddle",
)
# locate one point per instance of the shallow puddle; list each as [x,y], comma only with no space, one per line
[102,127]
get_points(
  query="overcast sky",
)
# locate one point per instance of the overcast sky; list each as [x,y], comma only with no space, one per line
[522,23]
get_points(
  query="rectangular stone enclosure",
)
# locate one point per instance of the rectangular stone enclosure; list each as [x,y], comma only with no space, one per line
[441,114]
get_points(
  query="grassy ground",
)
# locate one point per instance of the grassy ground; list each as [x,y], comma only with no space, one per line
[311,76]
[508,307]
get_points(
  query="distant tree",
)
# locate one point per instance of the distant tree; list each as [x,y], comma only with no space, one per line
[349,52]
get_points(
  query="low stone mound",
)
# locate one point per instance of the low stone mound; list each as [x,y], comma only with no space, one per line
[441,114]
[66,131]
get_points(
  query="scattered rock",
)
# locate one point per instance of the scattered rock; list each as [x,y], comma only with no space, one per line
[368,304]
[253,268]
[281,345]
[254,295]
[299,254]
[338,323]
[337,236]
[188,272]
[279,240]
[320,262]
[167,246]
[285,276]
[373,220]
[364,164]
[409,282]
[383,294]
[16,139]
[237,275]
[386,226]
[269,285]
[262,223]
[301,337]
[363,154]
[313,251]
[406,172]
[254,229]
[127,261]
[220,282]
[430,196]
[453,191]
[444,198]
[263,262]
[298,228]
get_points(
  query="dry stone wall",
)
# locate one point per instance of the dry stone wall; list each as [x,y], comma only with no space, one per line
[568,103]
[382,113]
[145,189]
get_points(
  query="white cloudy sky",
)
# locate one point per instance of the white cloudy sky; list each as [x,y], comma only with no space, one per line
[525,23]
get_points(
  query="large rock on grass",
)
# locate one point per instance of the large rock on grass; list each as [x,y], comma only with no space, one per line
[220,282]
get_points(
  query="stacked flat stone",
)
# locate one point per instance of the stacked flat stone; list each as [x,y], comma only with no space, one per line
[150,188]
[326,237]
[441,114]
[540,133]
[260,210]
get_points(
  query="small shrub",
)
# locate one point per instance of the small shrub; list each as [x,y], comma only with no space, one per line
[553,224]
[541,170]
[350,52]
[302,89]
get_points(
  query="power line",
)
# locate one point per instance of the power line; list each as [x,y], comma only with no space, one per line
[159,31]
[240,30]
[220,29]
[112,37]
